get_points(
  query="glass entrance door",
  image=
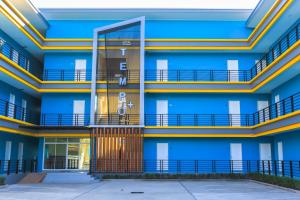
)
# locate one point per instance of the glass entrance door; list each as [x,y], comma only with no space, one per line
[73,156]
[67,153]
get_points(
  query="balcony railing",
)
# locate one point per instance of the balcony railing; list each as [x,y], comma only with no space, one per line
[19,57]
[17,166]
[17,112]
[281,168]
[180,75]
[197,75]
[66,75]
[283,107]
[53,119]
[278,49]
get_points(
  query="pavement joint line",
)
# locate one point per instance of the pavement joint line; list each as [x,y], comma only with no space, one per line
[187,190]
[88,191]
[276,186]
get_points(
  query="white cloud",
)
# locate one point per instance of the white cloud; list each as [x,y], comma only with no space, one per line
[217,4]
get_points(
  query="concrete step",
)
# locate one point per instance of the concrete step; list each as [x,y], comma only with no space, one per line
[68,177]
[32,178]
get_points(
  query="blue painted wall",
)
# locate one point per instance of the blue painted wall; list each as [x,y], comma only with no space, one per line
[36,66]
[63,103]
[33,104]
[201,61]
[204,148]
[30,146]
[54,62]
[155,29]
[290,145]
[203,103]
[287,89]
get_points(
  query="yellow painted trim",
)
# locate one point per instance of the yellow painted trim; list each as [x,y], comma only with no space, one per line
[278,130]
[228,127]
[269,132]
[62,135]
[225,135]
[19,14]
[274,6]
[20,27]
[15,121]
[196,82]
[273,20]
[278,59]
[278,72]
[2,69]
[18,67]
[198,127]
[68,90]
[282,9]
[66,82]
[10,130]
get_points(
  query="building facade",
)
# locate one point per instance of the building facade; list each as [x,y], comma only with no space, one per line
[147,90]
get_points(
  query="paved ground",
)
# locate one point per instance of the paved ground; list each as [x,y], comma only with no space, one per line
[122,189]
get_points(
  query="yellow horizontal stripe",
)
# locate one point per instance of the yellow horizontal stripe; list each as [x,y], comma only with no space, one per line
[63,134]
[265,81]
[197,127]
[2,69]
[158,48]
[225,135]
[228,127]
[18,67]
[15,121]
[277,130]
[14,131]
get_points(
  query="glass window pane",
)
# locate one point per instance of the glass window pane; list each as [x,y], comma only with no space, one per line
[49,156]
[50,139]
[60,156]
[61,140]
[73,140]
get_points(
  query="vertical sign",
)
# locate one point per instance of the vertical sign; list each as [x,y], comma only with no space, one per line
[117,97]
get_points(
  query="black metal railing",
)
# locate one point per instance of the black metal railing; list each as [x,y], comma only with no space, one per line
[283,107]
[17,112]
[66,75]
[53,119]
[197,167]
[17,166]
[63,163]
[116,119]
[278,49]
[197,75]
[20,58]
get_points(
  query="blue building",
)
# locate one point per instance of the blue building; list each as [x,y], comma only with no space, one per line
[148,90]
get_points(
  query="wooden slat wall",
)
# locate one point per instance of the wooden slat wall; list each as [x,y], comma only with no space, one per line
[117,150]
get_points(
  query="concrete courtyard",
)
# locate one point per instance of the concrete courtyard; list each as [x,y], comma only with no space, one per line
[150,189]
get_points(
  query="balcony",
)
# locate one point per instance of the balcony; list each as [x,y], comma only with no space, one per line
[19,58]
[190,75]
[14,111]
[284,107]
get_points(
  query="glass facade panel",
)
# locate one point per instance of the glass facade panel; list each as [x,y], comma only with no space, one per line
[119,66]
[67,153]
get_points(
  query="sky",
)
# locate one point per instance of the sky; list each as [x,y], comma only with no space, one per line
[214,4]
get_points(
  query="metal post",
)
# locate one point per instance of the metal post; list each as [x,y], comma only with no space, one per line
[282,167]
[17,166]
[269,168]
[291,169]
[263,167]
[8,167]
[275,168]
